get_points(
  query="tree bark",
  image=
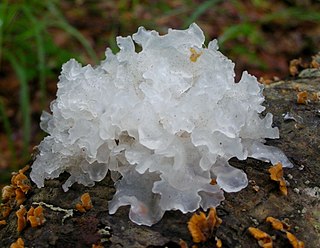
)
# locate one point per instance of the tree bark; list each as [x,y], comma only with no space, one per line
[299,126]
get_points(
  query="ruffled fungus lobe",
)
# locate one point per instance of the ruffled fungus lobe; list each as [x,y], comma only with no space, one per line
[35,216]
[22,221]
[276,174]
[201,227]
[8,192]
[166,120]
[284,227]
[294,241]
[18,244]
[24,169]
[19,196]
[264,239]
[277,224]
[302,97]
[21,181]
[86,203]
[218,243]
[14,194]
[294,66]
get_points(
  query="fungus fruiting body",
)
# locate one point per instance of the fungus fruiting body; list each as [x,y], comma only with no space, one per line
[8,192]
[22,221]
[294,241]
[201,226]
[18,244]
[264,239]
[276,174]
[85,204]
[166,119]
[277,224]
[35,216]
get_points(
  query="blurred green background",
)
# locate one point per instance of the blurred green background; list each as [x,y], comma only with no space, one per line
[37,37]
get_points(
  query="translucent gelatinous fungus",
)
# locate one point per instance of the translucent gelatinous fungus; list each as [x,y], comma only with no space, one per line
[167,119]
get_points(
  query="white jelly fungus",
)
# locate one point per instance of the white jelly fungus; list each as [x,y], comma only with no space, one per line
[164,122]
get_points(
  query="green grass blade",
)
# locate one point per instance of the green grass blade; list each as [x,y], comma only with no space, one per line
[3,9]
[243,29]
[62,23]
[8,131]
[37,27]
[199,11]
[24,100]
[293,14]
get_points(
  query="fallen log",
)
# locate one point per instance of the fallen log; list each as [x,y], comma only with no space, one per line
[299,125]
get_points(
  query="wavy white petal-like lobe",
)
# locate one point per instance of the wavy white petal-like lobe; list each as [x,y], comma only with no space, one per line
[164,121]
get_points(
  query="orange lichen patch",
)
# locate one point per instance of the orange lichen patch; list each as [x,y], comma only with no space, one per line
[35,216]
[276,174]
[21,181]
[86,203]
[218,243]
[264,239]
[22,222]
[18,244]
[302,97]
[5,210]
[20,196]
[7,193]
[277,224]
[194,55]
[201,227]
[3,222]
[294,241]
